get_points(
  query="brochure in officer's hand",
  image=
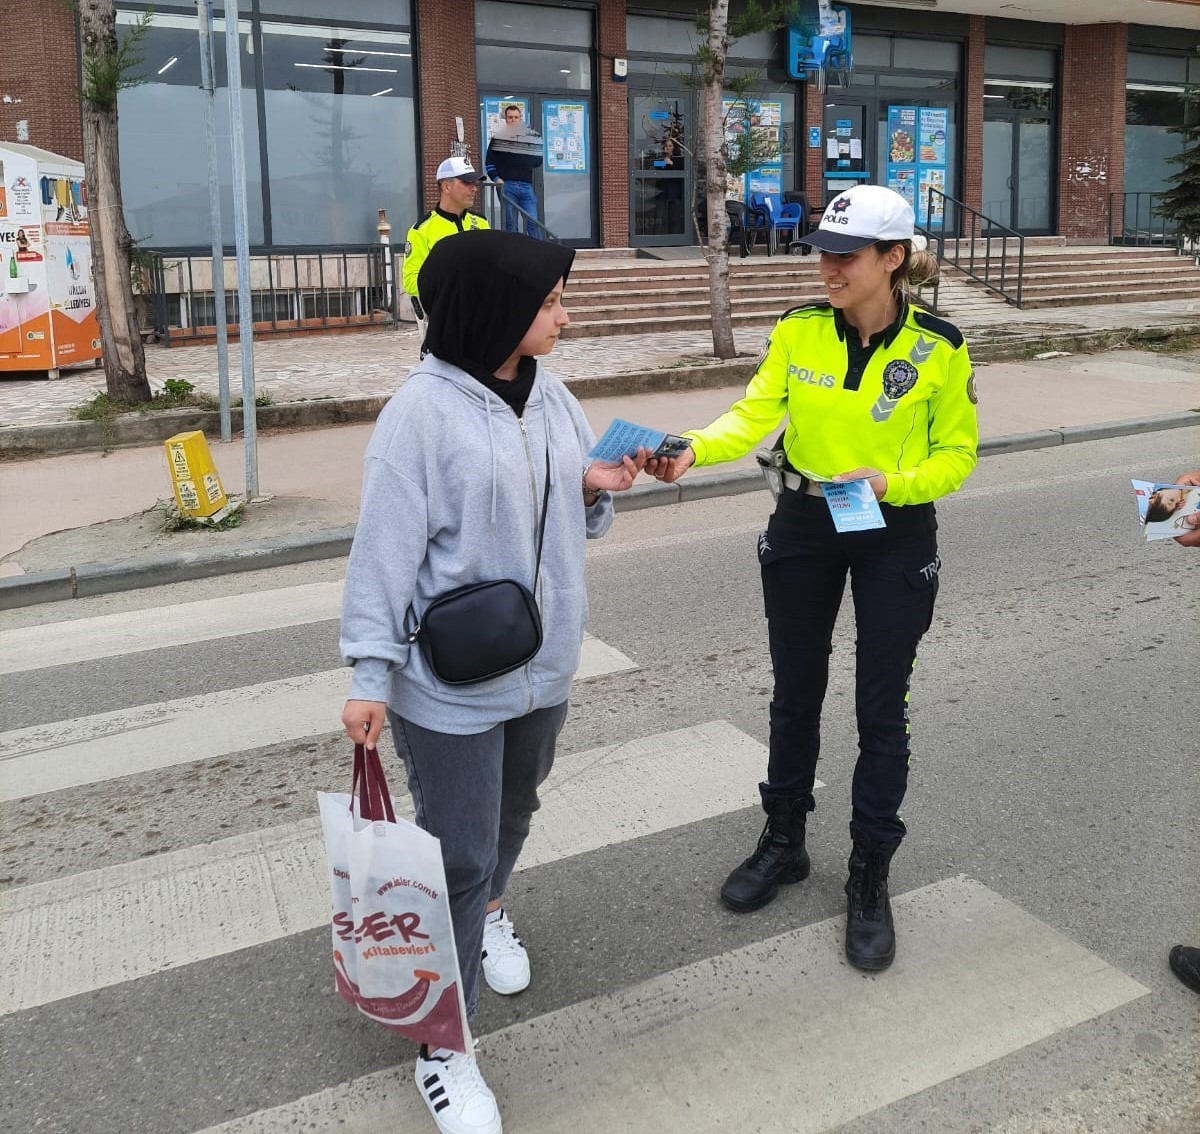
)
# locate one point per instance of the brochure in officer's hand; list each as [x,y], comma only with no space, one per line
[1166,510]
[624,439]
[852,505]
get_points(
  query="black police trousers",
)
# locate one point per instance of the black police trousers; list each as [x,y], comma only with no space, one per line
[894,580]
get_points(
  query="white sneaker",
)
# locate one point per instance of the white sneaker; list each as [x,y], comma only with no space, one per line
[457,1097]
[505,962]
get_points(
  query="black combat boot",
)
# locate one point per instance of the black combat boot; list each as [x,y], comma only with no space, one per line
[779,859]
[870,938]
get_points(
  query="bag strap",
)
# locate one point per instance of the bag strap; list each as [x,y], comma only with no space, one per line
[370,785]
[537,570]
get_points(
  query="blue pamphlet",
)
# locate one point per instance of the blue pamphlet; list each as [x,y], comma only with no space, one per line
[853,506]
[624,439]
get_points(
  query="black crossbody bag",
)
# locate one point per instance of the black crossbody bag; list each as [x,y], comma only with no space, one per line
[483,630]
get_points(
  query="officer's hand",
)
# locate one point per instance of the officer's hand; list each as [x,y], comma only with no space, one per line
[1191,538]
[878,480]
[363,721]
[670,469]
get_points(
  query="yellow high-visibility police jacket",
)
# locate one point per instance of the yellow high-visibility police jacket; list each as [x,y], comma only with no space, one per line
[908,409]
[423,235]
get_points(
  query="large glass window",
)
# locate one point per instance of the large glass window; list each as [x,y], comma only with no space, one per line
[384,12]
[340,131]
[339,142]
[1154,102]
[529,23]
[521,67]
[164,159]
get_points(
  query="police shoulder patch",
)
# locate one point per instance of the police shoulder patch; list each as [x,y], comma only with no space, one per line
[899,376]
[762,354]
[972,391]
[807,308]
[939,327]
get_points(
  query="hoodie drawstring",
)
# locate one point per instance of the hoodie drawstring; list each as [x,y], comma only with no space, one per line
[492,446]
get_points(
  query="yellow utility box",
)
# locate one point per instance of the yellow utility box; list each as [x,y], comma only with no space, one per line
[198,490]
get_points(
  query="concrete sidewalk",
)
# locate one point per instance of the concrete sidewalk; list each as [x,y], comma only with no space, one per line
[86,522]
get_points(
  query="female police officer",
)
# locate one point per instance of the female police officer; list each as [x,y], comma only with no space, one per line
[873,388]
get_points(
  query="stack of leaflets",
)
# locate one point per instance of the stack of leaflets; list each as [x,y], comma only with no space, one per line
[624,439]
[852,505]
[1166,510]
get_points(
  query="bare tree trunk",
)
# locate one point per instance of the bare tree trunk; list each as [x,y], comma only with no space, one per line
[714,152]
[116,310]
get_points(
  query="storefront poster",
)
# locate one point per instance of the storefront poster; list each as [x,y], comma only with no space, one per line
[916,157]
[564,126]
[932,135]
[903,180]
[763,119]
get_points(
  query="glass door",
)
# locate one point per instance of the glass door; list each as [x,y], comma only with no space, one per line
[661,146]
[1018,159]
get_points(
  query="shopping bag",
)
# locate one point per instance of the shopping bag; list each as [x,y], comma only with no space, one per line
[393,942]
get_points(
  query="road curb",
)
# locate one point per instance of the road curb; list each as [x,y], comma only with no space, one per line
[131,574]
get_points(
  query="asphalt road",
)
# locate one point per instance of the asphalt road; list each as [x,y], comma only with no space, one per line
[1054,781]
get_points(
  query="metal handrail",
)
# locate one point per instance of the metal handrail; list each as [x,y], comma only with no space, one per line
[495,200]
[982,228]
[1130,230]
[353,292]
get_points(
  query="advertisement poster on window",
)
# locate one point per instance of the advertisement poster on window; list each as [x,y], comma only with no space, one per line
[763,120]
[564,125]
[916,157]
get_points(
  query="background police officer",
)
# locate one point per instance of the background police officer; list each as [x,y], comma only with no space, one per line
[457,189]
[874,389]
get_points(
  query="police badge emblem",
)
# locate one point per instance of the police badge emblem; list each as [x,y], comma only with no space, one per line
[899,376]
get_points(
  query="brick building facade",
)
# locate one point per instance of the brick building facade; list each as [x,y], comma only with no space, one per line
[1089,117]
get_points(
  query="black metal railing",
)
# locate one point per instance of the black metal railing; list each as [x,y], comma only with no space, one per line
[292,290]
[493,201]
[1134,219]
[994,256]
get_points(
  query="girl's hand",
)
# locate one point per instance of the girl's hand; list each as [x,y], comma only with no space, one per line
[601,476]
[363,721]
[878,480]
[670,469]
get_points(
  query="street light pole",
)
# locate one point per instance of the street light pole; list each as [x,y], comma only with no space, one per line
[204,20]
[241,237]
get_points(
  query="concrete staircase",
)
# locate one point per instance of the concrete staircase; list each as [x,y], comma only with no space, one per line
[638,296]
[1071,276]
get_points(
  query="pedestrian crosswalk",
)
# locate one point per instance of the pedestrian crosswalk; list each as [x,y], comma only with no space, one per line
[977,977]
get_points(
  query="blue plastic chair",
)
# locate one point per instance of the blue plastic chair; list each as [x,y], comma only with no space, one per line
[770,213]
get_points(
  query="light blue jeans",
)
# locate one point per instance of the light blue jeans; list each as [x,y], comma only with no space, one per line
[477,795]
[521,193]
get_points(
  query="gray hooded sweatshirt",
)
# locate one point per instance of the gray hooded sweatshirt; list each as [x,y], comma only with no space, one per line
[452,492]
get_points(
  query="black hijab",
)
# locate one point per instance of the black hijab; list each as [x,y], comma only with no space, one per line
[482,290]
